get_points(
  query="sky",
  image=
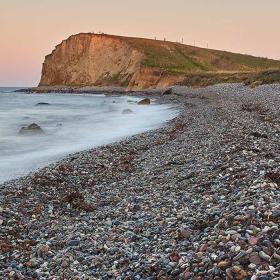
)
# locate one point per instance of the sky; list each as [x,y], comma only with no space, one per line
[30,29]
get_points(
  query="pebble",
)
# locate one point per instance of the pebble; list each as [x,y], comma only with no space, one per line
[224,264]
[236,272]
[252,266]
[239,256]
[264,256]
[231,232]
[195,199]
[73,243]
[254,258]
[253,240]
[42,250]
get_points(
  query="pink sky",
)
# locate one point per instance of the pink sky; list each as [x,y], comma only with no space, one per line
[30,29]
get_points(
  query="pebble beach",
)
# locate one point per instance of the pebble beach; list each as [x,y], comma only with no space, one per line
[196,199]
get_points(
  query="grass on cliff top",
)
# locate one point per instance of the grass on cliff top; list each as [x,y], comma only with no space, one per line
[252,79]
[181,59]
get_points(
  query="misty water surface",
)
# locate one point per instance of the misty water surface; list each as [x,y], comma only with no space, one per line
[71,123]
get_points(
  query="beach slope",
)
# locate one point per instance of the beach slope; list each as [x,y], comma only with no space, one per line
[196,199]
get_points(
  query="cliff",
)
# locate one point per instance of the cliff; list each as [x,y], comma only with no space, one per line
[88,59]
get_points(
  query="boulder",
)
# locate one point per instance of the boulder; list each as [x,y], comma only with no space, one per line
[256,84]
[167,92]
[127,111]
[43,104]
[145,101]
[31,129]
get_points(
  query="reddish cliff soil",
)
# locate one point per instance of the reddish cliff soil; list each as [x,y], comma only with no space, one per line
[100,60]
[88,59]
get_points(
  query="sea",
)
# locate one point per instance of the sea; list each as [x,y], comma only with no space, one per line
[70,122]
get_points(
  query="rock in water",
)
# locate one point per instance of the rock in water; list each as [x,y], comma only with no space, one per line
[145,101]
[31,129]
[43,104]
[127,111]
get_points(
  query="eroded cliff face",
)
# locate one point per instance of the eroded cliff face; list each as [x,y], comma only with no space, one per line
[146,78]
[100,60]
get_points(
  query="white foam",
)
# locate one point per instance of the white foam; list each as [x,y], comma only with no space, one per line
[71,123]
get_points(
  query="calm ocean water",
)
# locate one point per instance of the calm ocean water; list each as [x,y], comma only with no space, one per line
[71,123]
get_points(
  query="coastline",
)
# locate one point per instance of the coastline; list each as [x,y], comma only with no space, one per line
[70,124]
[85,89]
[195,199]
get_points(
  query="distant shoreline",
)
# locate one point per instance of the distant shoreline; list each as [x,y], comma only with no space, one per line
[108,90]
[193,80]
